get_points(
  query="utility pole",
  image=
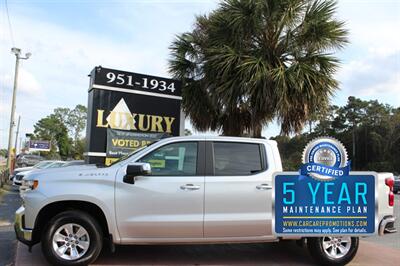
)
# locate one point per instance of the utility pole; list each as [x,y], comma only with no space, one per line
[16,134]
[17,53]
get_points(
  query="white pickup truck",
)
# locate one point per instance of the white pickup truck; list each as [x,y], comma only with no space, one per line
[177,190]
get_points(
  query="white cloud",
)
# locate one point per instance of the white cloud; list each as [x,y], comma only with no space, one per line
[373,24]
[62,55]
[378,38]
[371,61]
[390,86]
[373,77]
[27,83]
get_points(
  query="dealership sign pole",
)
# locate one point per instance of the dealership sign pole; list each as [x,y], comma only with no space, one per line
[128,110]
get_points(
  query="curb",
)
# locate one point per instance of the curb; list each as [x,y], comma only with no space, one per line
[10,188]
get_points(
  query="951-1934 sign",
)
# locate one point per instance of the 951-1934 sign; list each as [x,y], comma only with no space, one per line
[135,81]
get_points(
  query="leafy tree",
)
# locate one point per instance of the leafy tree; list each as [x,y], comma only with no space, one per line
[74,119]
[51,128]
[187,132]
[291,150]
[249,62]
[79,149]
[62,114]
[77,120]
[369,130]
[3,152]
[58,127]
[324,122]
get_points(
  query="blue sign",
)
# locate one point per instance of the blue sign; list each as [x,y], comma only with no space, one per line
[39,145]
[306,206]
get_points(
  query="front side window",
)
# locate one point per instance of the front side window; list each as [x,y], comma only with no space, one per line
[177,159]
[232,159]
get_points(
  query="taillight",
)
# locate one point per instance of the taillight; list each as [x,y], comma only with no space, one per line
[391,199]
[390,182]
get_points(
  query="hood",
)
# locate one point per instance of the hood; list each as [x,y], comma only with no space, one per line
[22,169]
[63,172]
[24,173]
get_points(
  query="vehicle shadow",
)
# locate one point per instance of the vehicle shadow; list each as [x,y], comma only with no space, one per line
[282,253]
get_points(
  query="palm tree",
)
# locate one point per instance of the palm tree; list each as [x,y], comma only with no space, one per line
[250,62]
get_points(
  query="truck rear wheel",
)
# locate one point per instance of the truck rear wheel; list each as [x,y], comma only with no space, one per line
[72,238]
[333,250]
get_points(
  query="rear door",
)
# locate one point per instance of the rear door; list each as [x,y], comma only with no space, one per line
[237,190]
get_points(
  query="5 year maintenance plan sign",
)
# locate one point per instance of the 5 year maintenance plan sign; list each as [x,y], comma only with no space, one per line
[304,206]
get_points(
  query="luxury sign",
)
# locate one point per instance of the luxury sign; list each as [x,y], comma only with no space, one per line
[128,110]
[121,118]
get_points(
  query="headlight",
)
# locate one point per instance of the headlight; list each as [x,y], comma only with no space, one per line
[29,184]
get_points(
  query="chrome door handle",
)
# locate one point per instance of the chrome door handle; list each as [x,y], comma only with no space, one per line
[264,187]
[190,187]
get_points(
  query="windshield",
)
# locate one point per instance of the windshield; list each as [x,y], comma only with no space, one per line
[42,165]
[123,158]
[56,164]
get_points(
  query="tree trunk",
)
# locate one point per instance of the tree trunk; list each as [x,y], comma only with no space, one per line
[257,130]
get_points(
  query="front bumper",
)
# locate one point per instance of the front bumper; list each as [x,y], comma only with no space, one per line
[387,225]
[23,234]
[18,179]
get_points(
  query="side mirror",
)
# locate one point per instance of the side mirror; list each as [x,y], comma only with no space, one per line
[136,169]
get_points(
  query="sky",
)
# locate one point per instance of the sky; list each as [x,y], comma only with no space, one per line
[68,38]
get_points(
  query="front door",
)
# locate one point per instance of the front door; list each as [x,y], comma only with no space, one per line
[237,191]
[169,203]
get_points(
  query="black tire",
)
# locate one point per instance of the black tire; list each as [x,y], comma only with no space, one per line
[82,219]
[317,252]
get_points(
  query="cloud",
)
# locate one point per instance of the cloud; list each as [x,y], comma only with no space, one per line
[372,24]
[27,83]
[390,86]
[371,61]
[64,53]
[375,76]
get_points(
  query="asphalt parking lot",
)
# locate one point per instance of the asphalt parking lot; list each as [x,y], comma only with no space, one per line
[284,253]
[372,251]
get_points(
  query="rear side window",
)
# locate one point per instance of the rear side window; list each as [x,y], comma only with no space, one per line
[237,158]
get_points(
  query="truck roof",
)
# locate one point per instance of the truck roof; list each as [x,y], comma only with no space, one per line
[222,138]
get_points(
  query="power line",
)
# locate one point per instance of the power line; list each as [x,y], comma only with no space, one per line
[9,24]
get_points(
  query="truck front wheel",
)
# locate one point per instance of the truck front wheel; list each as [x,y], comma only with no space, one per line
[333,250]
[72,238]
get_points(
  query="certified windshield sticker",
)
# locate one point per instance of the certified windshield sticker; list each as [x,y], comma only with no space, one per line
[157,163]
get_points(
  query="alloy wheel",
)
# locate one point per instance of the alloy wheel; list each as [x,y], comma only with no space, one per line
[336,247]
[71,241]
